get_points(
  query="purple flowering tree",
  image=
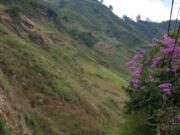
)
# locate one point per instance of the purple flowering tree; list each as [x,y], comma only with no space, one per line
[156,84]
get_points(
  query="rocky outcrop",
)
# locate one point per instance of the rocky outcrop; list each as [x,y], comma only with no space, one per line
[11,117]
[25,28]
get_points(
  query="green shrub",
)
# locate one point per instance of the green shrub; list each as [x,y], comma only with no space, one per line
[3,130]
[85,37]
[14,11]
[137,124]
[52,15]
[175,132]
[39,99]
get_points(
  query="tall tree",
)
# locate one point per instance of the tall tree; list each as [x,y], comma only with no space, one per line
[110,7]
[138,18]
[102,1]
[148,20]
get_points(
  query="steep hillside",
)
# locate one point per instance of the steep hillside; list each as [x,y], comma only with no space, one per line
[61,67]
[91,23]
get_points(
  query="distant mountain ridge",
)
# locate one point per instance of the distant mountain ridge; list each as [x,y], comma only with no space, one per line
[149,28]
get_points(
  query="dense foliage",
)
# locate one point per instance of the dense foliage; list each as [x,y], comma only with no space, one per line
[3,130]
[155,88]
[85,37]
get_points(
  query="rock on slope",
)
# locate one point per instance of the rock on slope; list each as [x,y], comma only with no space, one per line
[14,122]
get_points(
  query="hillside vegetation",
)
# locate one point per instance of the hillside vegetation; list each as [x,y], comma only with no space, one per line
[154,91]
[62,67]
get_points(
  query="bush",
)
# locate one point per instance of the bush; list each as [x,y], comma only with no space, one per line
[39,99]
[137,124]
[175,132]
[14,11]
[155,87]
[52,15]
[85,37]
[3,130]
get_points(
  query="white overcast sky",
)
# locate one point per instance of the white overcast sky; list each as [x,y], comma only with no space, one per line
[156,10]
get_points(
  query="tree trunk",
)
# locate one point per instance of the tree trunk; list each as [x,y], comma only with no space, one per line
[158,131]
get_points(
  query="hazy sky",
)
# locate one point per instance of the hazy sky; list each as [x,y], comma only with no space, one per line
[156,10]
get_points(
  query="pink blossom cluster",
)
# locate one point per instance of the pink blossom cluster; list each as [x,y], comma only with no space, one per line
[133,63]
[134,83]
[178,117]
[155,61]
[169,55]
[166,88]
[136,57]
[137,71]
[168,40]
[171,51]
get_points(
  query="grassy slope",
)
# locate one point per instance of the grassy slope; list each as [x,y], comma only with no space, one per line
[54,80]
[58,88]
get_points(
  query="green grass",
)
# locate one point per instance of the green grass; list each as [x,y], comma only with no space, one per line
[61,86]
[54,74]
[2,7]
[104,73]
[3,130]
